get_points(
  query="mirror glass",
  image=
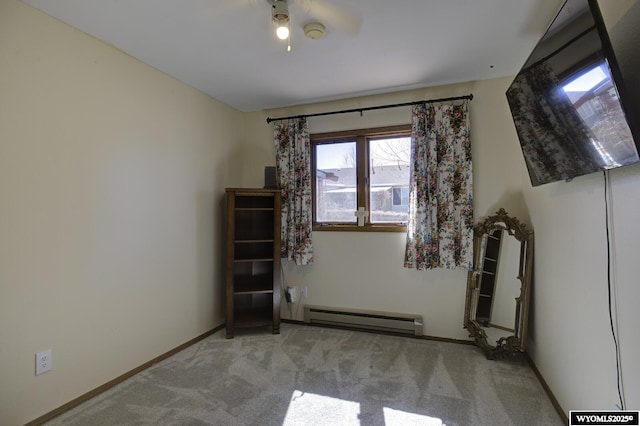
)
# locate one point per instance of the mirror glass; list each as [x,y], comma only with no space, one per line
[498,287]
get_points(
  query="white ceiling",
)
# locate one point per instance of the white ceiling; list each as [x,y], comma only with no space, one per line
[228,48]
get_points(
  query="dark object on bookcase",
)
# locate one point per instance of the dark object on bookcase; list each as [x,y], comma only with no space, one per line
[270,178]
[576,101]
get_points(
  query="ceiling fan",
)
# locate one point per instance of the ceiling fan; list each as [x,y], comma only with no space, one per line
[318,14]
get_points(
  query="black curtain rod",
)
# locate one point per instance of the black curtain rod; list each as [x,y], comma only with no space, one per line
[360,110]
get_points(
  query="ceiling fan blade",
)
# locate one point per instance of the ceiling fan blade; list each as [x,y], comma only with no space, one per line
[341,17]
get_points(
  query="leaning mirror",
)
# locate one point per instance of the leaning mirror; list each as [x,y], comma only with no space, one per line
[498,287]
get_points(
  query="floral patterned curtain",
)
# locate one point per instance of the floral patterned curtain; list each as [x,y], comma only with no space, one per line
[543,112]
[293,175]
[440,226]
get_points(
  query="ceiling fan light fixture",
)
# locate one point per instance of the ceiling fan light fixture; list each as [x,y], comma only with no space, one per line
[314,30]
[280,15]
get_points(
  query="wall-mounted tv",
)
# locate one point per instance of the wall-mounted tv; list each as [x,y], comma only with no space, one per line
[576,101]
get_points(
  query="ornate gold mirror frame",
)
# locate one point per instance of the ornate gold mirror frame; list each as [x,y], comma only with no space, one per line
[499,285]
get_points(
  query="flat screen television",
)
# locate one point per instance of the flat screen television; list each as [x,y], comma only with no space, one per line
[576,101]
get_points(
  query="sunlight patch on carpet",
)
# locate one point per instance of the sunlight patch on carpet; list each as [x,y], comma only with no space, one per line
[402,418]
[309,408]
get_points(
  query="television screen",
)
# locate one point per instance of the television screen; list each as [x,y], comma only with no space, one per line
[568,101]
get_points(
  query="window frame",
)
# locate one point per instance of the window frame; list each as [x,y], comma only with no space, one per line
[361,137]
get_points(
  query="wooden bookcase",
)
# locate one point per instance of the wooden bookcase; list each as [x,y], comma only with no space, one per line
[252,254]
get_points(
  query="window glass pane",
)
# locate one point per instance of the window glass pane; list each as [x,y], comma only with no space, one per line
[401,196]
[397,196]
[336,197]
[389,177]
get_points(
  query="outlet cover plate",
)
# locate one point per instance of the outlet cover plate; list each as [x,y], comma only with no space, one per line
[43,362]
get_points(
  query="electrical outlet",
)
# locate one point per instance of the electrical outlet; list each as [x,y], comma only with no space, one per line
[44,362]
[303,291]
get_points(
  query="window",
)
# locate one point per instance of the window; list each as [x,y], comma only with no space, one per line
[362,169]
[401,196]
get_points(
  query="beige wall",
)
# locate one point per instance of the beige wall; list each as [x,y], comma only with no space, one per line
[111,175]
[570,336]
[365,270]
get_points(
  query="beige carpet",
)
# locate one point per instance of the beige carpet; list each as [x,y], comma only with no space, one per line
[320,376]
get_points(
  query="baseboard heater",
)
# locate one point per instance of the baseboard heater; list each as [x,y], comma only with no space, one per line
[375,320]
